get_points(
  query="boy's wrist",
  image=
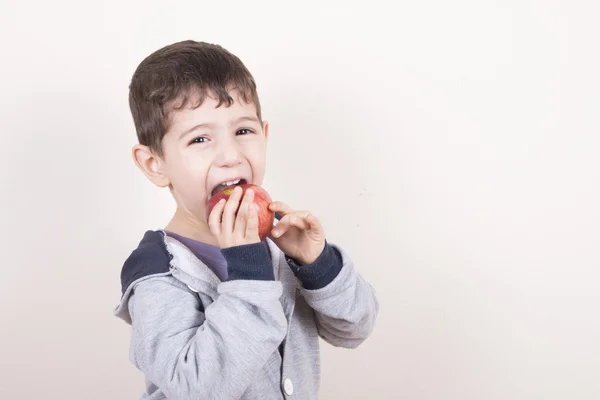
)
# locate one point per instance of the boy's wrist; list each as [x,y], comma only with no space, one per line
[321,272]
[249,262]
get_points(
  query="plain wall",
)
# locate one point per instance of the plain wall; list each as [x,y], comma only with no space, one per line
[451,147]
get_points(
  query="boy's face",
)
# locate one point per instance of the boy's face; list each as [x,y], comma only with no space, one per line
[207,147]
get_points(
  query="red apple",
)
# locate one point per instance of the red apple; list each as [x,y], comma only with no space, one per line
[261,199]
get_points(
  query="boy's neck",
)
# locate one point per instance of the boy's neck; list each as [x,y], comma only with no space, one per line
[191,228]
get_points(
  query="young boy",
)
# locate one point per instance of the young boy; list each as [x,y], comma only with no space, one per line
[216,313]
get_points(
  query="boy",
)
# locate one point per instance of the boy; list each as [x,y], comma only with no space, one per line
[216,313]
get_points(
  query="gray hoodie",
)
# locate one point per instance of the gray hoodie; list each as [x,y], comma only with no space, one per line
[255,336]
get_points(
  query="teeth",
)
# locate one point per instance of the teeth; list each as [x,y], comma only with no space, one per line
[230,183]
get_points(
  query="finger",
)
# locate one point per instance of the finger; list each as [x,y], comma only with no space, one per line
[239,228]
[231,207]
[288,221]
[214,219]
[298,220]
[282,227]
[252,223]
[303,220]
[315,224]
[281,208]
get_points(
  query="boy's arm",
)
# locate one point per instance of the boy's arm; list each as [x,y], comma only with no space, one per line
[345,304]
[189,354]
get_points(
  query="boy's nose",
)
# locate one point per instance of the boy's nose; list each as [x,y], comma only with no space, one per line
[228,156]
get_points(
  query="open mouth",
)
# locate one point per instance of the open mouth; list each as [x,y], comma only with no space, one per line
[227,184]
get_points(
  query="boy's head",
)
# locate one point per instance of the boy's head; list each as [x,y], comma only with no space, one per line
[198,120]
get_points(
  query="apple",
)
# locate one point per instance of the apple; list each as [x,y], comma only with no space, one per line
[261,199]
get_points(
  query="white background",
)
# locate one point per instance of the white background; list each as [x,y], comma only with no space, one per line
[451,147]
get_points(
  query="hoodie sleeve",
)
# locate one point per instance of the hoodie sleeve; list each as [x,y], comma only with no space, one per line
[215,354]
[344,302]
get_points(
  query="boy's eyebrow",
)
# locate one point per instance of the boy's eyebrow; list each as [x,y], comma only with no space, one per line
[193,128]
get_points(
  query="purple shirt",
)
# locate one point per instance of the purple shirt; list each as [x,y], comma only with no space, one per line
[207,253]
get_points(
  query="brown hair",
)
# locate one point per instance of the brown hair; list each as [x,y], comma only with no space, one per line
[172,76]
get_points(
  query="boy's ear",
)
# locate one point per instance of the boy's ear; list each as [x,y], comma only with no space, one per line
[266,129]
[150,164]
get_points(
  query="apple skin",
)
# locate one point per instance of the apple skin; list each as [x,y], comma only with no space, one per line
[261,199]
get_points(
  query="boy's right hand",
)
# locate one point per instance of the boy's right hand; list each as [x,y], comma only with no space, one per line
[231,229]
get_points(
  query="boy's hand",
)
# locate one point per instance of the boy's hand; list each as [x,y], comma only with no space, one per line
[298,234]
[232,230]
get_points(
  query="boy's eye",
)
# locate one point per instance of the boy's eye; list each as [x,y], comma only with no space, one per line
[243,131]
[198,140]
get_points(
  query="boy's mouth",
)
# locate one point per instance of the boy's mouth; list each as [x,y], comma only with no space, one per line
[227,184]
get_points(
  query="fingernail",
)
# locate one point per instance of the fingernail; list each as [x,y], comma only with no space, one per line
[275,233]
[249,192]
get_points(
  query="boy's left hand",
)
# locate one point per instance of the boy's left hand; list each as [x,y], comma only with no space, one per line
[298,234]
